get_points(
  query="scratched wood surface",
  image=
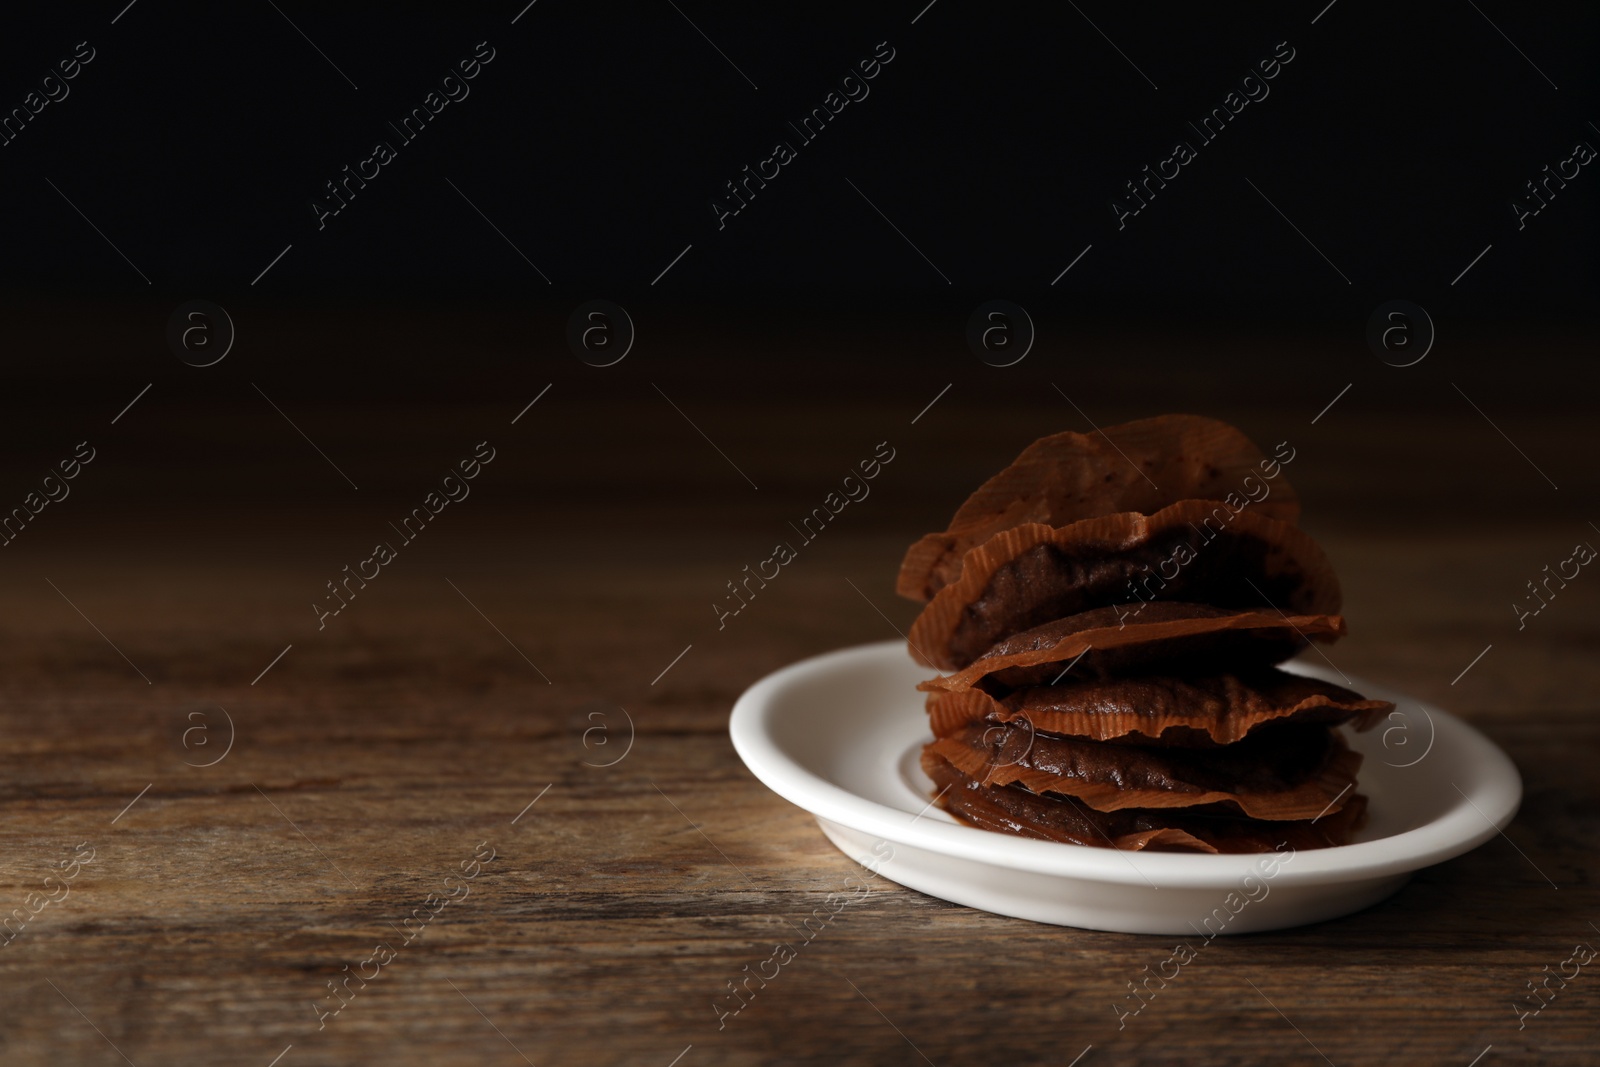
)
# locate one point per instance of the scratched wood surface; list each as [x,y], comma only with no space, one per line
[462,703]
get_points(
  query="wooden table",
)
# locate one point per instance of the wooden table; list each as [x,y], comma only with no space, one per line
[458,705]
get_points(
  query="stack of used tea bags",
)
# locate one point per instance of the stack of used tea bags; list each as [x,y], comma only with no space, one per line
[1112,608]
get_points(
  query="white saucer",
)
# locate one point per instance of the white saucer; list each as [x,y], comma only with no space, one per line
[840,736]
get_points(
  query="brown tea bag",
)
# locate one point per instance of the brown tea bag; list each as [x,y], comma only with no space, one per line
[1165,638]
[1138,466]
[1195,551]
[1201,711]
[1014,810]
[1281,773]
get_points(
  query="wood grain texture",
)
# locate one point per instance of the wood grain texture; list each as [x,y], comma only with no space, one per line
[378,753]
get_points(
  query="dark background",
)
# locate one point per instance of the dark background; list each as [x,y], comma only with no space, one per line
[995,140]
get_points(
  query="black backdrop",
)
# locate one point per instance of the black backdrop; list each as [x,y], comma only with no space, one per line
[995,142]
